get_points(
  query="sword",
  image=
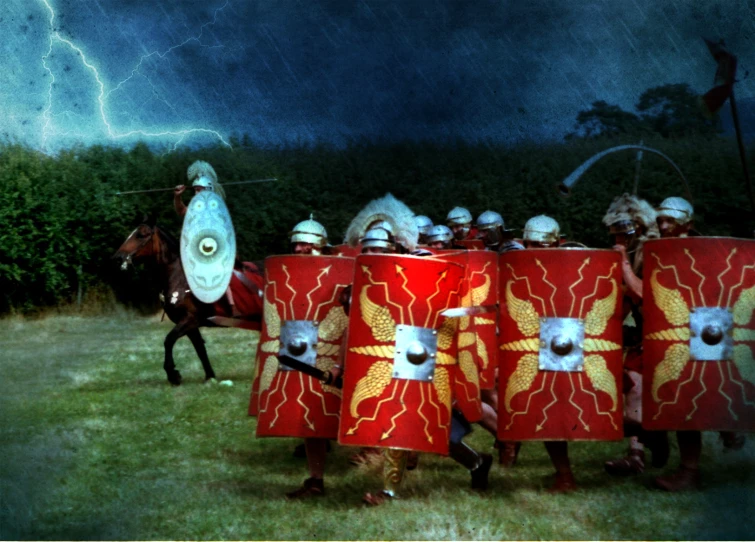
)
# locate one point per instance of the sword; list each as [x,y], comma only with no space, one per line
[322,376]
[224,321]
[460,312]
[271,179]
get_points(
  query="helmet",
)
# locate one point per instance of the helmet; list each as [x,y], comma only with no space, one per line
[542,229]
[489,220]
[390,215]
[677,208]
[309,231]
[379,236]
[440,233]
[459,216]
[423,224]
[204,182]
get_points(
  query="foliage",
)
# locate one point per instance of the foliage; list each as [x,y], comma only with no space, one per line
[97,446]
[61,220]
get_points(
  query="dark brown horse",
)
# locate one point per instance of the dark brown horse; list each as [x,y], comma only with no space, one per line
[149,243]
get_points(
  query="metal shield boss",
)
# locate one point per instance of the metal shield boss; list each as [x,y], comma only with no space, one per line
[560,355]
[303,319]
[699,334]
[208,246]
[397,385]
[465,373]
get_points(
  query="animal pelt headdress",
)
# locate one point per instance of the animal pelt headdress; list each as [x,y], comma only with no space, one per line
[391,210]
[200,168]
[639,211]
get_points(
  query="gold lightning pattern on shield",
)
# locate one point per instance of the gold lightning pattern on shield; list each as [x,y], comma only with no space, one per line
[676,311]
[525,316]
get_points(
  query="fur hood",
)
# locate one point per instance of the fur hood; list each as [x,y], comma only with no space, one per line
[639,211]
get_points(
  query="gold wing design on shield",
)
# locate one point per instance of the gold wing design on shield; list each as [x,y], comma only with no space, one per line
[268,373]
[480,294]
[442,383]
[671,367]
[332,327]
[670,301]
[745,363]
[744,307]
[523,313]
[371,385]
[522,378]
[272,320]
[378,318]
[601,311]
[469,368]
[600,377]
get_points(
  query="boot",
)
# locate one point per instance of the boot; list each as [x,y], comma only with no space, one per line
[480,474]
[684,479]
[376,499]
[732,441]
[657,443]
[633,463]
[507,452]
[412,461]
[312,487]
[563,483]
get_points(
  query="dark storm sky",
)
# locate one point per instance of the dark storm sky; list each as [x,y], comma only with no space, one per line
[171,71]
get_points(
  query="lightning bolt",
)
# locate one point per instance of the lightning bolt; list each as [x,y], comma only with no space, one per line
[595,291]
[721,391]
[737,285]
[437,410]
[272,392]
[676,275]
[288,278]
[529,290]
[696,272]
[322,400]
[401,271]
[571,288]
[298,400]
[553,287]
[284,400]
[575,405]
[702,392]
[738,383]
[113,134]
[419,411]
[336,290]
[323,271]
[387,434]
[368,273]
[595,398]
[728,268]
[539,427]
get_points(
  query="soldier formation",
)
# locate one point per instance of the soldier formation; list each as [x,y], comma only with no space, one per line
[443,320]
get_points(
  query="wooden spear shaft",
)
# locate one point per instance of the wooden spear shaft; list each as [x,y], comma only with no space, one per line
[170,189]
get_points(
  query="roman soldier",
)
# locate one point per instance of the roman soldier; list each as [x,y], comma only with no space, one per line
[631,221]
[308,237]
[202,177]
[459,220]
[386,226]
[424,224]
[440,237]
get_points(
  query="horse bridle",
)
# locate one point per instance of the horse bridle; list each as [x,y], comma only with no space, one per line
[151,237]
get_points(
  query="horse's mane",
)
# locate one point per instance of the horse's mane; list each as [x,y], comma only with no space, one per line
[167,237]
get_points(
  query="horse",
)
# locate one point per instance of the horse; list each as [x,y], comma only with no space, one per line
[148,242]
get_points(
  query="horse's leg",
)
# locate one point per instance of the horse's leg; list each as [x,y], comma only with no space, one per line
[174,377]
[198,342]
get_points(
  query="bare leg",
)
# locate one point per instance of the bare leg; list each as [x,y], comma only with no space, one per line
[688,475]
[317,449]
[559,454]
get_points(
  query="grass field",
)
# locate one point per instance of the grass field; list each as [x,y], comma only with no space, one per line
[96,445]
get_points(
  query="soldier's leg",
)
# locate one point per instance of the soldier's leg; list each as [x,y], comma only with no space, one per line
[317,449]
[478,464]
[732,440]
[559,454]
[393,474]
[687,477]
[507,450]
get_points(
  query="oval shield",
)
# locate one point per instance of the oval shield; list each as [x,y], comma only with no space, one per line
[699,334]
[397,385]
[208,246]
[560,357]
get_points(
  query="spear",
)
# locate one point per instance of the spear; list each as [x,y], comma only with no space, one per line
[173,188]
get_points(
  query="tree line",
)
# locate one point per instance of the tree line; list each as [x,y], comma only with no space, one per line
[60,220]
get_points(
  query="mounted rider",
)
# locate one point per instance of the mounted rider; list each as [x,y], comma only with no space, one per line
[202,177]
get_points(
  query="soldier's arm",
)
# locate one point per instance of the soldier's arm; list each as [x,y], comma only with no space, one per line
[177,201]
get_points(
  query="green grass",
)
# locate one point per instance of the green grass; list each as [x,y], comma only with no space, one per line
[96,445]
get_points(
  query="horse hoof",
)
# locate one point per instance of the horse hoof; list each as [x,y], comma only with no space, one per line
[175,379]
